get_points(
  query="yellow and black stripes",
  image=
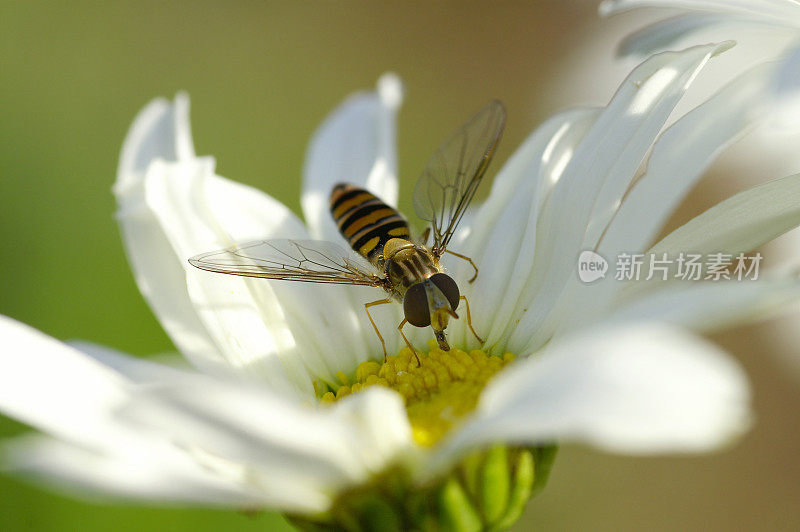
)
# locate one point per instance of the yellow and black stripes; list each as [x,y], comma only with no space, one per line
[365,221]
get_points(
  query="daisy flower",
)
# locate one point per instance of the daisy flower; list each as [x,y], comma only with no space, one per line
[291,405]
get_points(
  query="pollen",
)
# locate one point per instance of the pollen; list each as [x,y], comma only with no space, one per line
[438,392]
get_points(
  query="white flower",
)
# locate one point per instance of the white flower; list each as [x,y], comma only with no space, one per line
[607,364]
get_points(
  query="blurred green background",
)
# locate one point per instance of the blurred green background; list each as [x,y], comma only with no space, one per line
[262,76]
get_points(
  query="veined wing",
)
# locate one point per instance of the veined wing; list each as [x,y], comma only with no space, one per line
[312,261]
[449,181]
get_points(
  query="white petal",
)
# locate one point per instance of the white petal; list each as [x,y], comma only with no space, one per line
[679,158]
[225,442]
[786,92]
[665,34]
[787,81]
[779,11]
[379,423]
[71,468]
[594,181]
[643,389]
[273,329]
[505,225]
[677,161]
[740,223]
[198,211]
[280,444]
[708,306]
[355,144]
[187,210]
[159,132]
[53,387]
[132,368]
[737,225]
[658,95]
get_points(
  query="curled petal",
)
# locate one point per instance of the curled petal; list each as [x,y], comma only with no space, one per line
[160,133]
[665,34]
[584,199]
[679,158]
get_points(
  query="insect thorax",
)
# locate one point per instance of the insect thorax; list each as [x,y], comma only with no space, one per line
[406,264]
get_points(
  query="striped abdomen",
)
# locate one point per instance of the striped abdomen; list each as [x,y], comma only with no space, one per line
[365,221]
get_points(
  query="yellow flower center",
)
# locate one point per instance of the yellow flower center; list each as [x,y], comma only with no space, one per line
[438,392]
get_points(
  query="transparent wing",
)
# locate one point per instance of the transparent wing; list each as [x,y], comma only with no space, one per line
[312,261]
[449,181]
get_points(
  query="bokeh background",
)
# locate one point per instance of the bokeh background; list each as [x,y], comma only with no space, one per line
[262,76]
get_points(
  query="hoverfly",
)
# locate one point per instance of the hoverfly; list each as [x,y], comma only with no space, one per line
[406,268]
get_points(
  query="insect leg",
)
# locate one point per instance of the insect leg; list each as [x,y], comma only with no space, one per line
[400,328]
[466,259]
[469,319]
[366,308]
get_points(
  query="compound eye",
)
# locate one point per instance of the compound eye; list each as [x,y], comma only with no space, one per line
[448,287]
[415,306]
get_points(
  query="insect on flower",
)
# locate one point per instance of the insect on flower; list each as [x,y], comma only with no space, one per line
[406,268]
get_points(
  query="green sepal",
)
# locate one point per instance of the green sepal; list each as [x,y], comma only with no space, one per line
[457,514]
[524,475]
[375,514]
[471,471]
[543,457]
[495,485]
